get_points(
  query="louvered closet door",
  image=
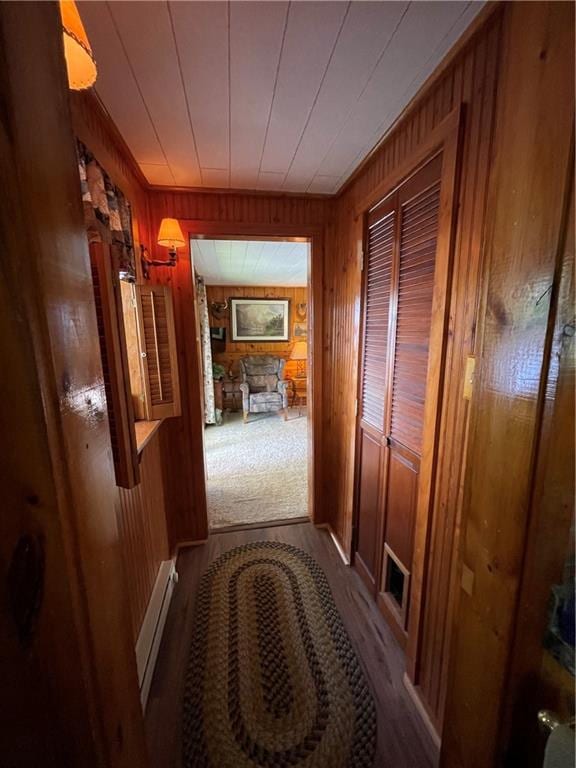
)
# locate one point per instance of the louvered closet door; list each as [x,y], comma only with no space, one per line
[399,271]
[418,203]
[374,383]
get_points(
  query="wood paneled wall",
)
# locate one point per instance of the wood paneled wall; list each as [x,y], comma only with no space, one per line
[142,511]
[69,680]
[527,219]
[469,80]
[235,350]
[142,525]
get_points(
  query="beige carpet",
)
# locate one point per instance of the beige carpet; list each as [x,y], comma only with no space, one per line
[257,471]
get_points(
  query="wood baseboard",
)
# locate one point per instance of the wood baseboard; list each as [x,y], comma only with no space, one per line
[422,711]
[148,642]
[336,542]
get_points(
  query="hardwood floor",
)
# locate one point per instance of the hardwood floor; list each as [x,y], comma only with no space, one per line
[403,741]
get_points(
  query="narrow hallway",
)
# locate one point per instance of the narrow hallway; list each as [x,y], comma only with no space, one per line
[402,739]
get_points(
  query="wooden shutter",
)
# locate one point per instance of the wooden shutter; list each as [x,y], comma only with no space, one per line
[158,351]
[109,316]
[378,268]
[418,232]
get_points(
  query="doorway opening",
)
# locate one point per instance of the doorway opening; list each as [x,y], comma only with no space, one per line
[252,299]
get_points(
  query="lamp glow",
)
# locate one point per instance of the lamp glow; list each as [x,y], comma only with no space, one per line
[80,62]
[299,353]
[170,234]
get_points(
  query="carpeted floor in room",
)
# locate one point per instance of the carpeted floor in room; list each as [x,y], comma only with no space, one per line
[257,471]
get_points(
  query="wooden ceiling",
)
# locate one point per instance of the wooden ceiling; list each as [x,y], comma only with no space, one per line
[279,96]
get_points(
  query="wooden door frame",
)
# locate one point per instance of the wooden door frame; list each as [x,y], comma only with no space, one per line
[315,236]
[445,138]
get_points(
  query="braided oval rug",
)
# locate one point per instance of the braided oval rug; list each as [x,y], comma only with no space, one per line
[273,680]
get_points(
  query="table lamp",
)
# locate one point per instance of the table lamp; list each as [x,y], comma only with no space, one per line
[299,353]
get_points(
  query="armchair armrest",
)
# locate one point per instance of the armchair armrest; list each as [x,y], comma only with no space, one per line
[245,388]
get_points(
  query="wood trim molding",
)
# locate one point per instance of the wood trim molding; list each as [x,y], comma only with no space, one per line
[434,141]
[422,711]
[336,541]
[451,148]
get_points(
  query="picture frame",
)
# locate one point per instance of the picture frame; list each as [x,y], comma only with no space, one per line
[300,331]
[259,320]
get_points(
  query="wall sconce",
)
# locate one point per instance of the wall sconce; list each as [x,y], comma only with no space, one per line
[80,62]
[169,235]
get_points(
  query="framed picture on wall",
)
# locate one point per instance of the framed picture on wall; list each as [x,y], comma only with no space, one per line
[300,331]
[259,319]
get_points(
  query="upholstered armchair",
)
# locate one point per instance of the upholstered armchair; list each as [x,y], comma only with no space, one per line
[263,389]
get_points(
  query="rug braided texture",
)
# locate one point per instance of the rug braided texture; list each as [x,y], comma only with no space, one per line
[273,679]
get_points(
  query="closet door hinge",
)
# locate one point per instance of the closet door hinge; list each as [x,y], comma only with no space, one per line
[356,407]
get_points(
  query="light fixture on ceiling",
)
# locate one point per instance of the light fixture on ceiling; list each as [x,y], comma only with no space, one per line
[80,62]
[171,237]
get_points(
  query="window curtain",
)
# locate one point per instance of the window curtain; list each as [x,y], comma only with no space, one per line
[209,406]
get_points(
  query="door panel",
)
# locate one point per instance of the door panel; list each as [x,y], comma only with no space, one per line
[402,492]
[376,323]
[418,233]
[397,319]
[367,551]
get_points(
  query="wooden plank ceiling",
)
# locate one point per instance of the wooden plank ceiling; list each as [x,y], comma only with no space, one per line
[251,262]
[279,96]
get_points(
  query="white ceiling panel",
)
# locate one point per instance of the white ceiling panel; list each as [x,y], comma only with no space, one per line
[201,31]
[146,29]
[256,34]
[400,73]
[268,180]
[277,96]
[251,262]
[350,69]
[117,86]
[311,34]
[157,174]
[215,177]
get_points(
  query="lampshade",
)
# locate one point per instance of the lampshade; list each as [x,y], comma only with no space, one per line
[80,63]
[170,234]
[299,351]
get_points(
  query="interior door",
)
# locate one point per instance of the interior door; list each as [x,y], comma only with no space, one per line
[542,658]
[399,277]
